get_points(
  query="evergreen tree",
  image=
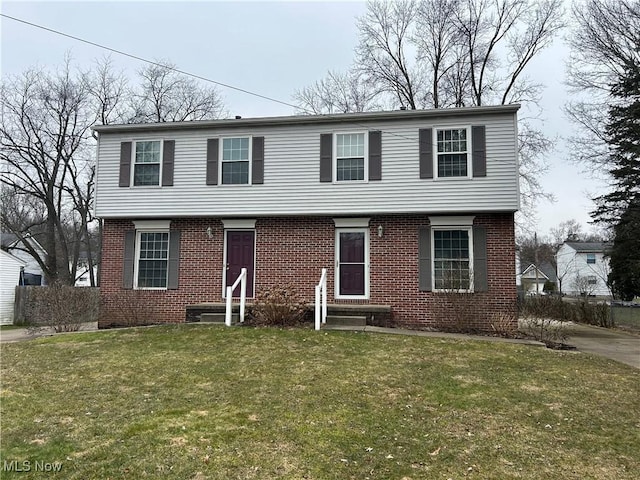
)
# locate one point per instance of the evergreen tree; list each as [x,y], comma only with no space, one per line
[623,137]
[624,261]
[621,207]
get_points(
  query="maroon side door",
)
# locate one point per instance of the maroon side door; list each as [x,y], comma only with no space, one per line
[240,254]
[351,251]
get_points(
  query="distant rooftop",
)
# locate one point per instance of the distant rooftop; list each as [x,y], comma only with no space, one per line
[589,247]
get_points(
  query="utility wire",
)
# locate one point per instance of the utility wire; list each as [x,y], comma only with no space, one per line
[204,79]
[151,62]
[199,77]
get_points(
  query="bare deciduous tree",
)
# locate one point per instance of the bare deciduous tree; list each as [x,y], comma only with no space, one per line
[44,129]
[444,53]
[48,152]
[337,93]
[604,40]
[166,95]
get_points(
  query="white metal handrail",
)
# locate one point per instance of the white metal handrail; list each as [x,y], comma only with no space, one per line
[242,279]
[321,300]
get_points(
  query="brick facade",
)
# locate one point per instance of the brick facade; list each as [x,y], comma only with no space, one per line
[295,249]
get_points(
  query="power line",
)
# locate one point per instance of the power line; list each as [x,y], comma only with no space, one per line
[151,62]
[199,77]
[204,79]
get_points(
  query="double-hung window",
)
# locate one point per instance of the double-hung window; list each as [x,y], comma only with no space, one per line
[152,262]
[350,162]
[147,163]
[591,258]
[452,259]
[235,163]
[453,152]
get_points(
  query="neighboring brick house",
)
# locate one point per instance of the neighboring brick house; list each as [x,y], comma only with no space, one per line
[393,204]
[583,268]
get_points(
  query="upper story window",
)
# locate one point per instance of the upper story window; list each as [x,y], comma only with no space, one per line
[350,156]
[147,163]
[152,259]
[235,162]
[453,153]
[591,258]
[452,259]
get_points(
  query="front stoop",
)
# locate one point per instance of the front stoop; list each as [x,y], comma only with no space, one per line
[346,320]
[218,318]
[211,313]
[338,315]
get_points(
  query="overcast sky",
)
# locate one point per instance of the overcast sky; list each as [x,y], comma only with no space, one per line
[271,48]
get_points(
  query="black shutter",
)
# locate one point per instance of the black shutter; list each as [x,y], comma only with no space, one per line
[425,152]
[479,155]
[212,161]
[480,281]
[375,155]
[257,161]
[174,259]
[129,258]
[424,259]
[125,164]
[168,153]
[326,157]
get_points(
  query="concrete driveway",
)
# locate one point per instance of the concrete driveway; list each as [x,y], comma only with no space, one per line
[614,344]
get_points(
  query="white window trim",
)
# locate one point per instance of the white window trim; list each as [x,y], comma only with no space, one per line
[334,160]
[224,255]
[133,162]
[136,264]
[469,229]
[367,264]
[220,161]
[436,129]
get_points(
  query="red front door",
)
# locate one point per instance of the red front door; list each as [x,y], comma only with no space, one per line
[240,254]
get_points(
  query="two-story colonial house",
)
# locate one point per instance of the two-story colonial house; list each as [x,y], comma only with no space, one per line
[583,269]
[400,207]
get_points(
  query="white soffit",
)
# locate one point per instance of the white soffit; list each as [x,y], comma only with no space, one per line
[452,221]
[152,224]
[237,224]
[361,222]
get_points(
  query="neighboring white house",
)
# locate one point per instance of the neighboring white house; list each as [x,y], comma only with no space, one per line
[32,272]
[583,269]
[10,271]
[533,280]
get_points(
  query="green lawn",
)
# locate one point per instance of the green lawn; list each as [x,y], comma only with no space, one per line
[208,402]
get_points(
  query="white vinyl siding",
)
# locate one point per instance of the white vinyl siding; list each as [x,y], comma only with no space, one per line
[291,174]
[10,268]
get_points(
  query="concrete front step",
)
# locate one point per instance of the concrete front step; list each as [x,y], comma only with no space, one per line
[218,317]
[346,320]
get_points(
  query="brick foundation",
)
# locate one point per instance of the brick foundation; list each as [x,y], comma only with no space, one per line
[295,249]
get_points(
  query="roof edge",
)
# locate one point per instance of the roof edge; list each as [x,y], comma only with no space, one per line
[308,119]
